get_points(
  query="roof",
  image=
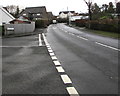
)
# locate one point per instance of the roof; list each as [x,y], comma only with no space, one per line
[36,9]
[66,12]
[50,15]
[7,13]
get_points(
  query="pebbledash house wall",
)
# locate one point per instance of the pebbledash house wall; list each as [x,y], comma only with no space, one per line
[19,28]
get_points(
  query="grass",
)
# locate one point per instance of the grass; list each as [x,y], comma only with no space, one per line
[105,33]
[102,33]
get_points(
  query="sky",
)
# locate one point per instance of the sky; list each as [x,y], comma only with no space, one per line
[55,5]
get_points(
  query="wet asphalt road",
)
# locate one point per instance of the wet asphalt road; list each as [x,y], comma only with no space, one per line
[92,67]
[28,68]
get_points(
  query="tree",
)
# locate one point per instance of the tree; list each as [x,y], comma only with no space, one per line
[89,4]
[13,10]
[17,11]
[118,9]
[95,8]
[111,8]
[104,8]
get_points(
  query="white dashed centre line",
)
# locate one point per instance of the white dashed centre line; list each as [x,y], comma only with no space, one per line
[66,79]
[83,38]
[107,46]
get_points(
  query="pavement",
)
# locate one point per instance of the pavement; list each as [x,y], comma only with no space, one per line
[27,68]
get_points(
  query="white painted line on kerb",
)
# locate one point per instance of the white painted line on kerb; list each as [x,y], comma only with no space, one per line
[50,51]
[53,57]
[107,46]
[40,41]
[66,79]
[56,62]
[51,54]
[60,69]
[72,91]
[49,48]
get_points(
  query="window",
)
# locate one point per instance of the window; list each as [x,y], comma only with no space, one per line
[38,14]
[24,14]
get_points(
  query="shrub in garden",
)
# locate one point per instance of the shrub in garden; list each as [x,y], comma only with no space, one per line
[80,22]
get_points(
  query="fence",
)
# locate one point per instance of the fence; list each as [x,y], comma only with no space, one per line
[19,28]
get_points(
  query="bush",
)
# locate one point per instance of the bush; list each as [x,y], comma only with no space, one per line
[80,22]
[41,23]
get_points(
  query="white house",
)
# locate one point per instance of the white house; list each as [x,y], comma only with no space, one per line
[5,17]
[65,14]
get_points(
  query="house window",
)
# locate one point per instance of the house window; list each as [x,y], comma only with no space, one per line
[38,14]
[24,14]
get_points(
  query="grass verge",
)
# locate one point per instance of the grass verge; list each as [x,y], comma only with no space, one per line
[98,32]
[104,33]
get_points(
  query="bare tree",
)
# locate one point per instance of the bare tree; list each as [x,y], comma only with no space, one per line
[89,4]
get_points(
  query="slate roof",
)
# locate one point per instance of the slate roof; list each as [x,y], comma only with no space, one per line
[35,10]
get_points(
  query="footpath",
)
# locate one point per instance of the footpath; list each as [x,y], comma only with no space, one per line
[28,69]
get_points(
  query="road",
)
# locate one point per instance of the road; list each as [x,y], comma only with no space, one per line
[91,61]
[60,60]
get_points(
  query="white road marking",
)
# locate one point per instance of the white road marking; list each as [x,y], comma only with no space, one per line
[53,57]
[72,91]
[16,46]
[107,46]
[60,69]
[51,54]
[56,62]
[50,51]
[66,79]
[83,38]
[40,41]
[65,31]
[49,48]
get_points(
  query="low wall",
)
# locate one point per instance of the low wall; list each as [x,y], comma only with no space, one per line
[19,28]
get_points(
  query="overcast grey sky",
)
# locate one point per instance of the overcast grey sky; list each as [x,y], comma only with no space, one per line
[55,5]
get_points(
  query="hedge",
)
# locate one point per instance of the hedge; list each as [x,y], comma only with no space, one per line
[41,23]
[104,25]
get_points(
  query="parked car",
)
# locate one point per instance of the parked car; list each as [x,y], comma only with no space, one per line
[54,21]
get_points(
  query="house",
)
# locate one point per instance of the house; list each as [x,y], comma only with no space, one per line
[50,17]
[5,16]
[65,14]
[21,20]
[35,13]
